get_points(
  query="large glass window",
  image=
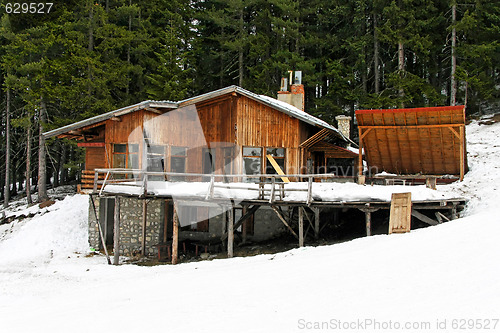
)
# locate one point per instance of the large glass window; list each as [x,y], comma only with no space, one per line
[156,160]
[126,156]
[278,155]
[252,161]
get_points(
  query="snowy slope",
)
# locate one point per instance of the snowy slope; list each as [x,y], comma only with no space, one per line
[448,272]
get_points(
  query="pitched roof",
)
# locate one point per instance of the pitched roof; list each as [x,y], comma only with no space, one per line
[269,101]
[428,141]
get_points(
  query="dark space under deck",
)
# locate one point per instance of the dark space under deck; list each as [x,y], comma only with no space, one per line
[428,212]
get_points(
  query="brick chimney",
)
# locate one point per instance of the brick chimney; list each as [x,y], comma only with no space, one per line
[344,125]
[296,94]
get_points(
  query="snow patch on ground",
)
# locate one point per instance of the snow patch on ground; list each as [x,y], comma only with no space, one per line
[58,231]
[445,272]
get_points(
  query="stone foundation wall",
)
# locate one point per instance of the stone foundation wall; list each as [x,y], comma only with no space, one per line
[266,225]
[131,225]
[94,237]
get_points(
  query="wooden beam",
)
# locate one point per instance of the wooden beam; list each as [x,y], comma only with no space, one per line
[301,227]
[154,110]
[175,236]
[360,156]
[423,217]
[117,119]
[277,168]
[462,152]
[144,221]
[230,232]
[280,216]
[408,126]
[91,144]
[248,212]
[116,234]
[316,222]
[368,222]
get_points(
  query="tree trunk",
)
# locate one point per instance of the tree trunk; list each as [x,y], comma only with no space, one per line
[28,165]
[56,167]
[453,88]
[7,152]
[240,52]
[376,55]
[42,160]
[127,89]
[63,171]
[401,68]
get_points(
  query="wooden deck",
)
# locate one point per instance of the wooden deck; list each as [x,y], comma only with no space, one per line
[271,194]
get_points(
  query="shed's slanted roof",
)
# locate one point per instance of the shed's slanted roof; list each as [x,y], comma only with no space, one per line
[429,141]
[269,101]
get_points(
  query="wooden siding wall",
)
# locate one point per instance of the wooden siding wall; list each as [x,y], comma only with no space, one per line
[261,126]
[224,121]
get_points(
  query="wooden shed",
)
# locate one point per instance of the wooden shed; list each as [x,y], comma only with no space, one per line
[426,141]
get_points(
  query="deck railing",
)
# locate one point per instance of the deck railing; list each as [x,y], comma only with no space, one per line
[269,186]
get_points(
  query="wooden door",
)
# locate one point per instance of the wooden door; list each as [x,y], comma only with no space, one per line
[400,219]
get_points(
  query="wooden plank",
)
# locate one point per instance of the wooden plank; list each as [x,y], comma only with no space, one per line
[423,217]
[116,234]
[249,212]
[277,168]
[368,223]
[316,222]
[401,211]
[230,233]
[301,227]
[175,235]
[91,144]
[280,216]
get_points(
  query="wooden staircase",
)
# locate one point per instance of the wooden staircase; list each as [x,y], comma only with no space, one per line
[87,182]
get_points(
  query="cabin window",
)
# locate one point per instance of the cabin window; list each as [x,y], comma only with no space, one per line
[252,161]
[278,155]
[126,156]
[156,160]
[228,153]
[194,218]
[178,157]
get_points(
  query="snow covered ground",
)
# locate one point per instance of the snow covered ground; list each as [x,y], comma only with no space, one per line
[438,279]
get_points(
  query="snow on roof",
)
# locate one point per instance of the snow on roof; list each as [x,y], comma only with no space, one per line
[272,102]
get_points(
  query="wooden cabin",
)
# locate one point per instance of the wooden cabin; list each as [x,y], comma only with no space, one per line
[230,131]
[200,134]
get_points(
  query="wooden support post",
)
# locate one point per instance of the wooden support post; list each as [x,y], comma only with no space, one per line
[316,222]
[309,190]
[230,232]
[144,221]
[430,182]
[116,239]
[368,217]
[175,236]
[368,221]
[244,225]
[360,158]
[454,214]
[301,227]
[462,152]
